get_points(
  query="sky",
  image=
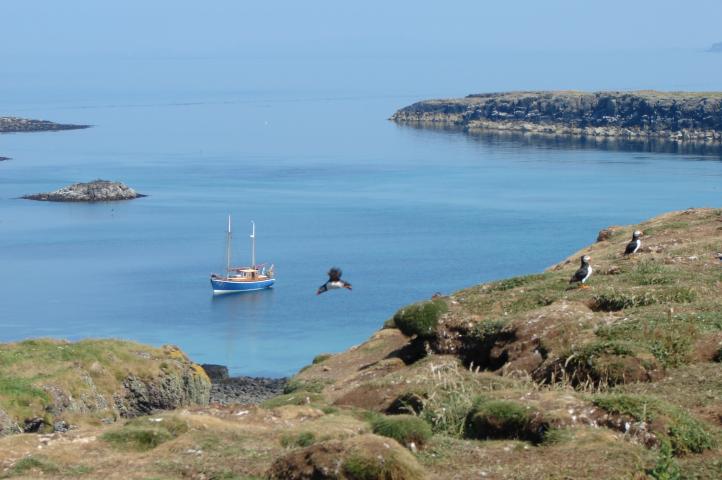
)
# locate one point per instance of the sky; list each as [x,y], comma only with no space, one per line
[138,28]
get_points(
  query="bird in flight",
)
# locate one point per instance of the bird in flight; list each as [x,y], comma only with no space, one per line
[334,281]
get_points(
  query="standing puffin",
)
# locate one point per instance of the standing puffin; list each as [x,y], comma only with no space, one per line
[334,281]
[633,246]
[583,274]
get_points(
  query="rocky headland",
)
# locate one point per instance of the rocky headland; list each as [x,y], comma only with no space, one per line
[675,116]
[95,191]
[525,378]
[15,124]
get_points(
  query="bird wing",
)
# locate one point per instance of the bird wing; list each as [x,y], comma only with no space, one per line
[578,275]
[334,275]
[630,247]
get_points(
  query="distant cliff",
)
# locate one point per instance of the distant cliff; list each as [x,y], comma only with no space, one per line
[669,115]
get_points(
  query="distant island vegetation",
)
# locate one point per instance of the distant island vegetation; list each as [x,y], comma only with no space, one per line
[676,116]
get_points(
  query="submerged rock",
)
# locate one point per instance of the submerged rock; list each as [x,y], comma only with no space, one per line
[95,191]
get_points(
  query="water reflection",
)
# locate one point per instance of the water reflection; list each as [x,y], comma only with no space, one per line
[551,141]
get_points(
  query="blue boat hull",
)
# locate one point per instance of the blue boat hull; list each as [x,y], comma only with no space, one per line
[223,286]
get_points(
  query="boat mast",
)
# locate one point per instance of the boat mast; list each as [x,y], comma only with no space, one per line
[253,244]
[228,248]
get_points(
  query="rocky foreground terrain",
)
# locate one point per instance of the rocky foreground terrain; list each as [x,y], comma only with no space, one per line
[672,116]
[95,191]
[526,377]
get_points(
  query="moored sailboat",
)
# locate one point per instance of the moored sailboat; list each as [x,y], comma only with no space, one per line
[242,279]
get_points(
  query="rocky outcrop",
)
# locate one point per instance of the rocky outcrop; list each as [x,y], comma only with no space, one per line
[93,379]
[4,158]
[15,124]
[643,114]
[142,396]
[7,424]
[95,191]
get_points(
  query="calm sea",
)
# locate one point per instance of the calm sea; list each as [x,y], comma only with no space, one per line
[327,179]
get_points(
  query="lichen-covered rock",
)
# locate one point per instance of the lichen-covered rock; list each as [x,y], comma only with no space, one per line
[671,115]
[95,191]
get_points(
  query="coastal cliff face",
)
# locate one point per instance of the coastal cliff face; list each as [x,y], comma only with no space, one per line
[669,115]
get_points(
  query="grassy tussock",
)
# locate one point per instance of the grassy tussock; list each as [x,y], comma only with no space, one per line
[405,429]
[420,319]
[302,439]
[489,419]
[321,358]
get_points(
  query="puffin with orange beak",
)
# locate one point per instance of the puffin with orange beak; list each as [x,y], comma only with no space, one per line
[583,274]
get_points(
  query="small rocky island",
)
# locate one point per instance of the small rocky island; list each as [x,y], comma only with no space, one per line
[676,116]
[15,124]
[95,191]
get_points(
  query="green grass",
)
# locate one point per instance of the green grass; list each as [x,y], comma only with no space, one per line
[685,433]
[405,429]
[515,282]
[420,319]
[359,466]
[494,419]
[145,433]
[302,439]
[299,385]
[669,337]
[21,397]
[321,358]
[666,467]
[30,463]
[649,272]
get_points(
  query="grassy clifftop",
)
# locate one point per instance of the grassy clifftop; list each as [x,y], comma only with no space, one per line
[520,378]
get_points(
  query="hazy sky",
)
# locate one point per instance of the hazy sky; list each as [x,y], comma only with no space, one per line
[329,27]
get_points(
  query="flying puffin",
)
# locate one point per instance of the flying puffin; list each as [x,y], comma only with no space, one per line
[334,281]
[583,274]
[633,246]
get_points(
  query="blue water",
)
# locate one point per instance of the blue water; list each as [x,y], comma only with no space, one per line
[327,179]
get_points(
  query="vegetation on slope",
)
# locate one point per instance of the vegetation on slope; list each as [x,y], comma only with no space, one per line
[521,378]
